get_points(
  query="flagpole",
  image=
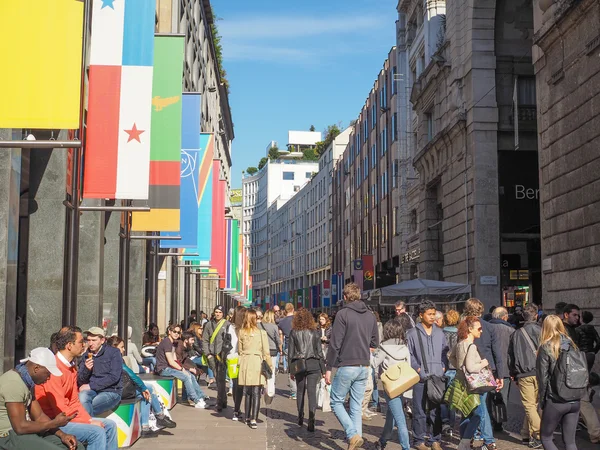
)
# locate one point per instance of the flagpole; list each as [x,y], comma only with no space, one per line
[70,271]
[123,291]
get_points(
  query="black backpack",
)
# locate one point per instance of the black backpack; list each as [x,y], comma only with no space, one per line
[570,377]
[227,344]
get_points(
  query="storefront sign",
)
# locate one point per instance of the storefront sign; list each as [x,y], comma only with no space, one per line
[411,256]
[488,280]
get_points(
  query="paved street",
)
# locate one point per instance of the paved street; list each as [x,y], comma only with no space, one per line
[198,429]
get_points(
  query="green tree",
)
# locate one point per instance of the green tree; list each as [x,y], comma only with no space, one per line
[273,153]
[331,133]
[251,170]
[263,162]
[312,128]
[310,155]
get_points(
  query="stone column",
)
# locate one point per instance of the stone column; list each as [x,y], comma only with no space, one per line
[111,268]
[137,288]
[10,181]
[47,187]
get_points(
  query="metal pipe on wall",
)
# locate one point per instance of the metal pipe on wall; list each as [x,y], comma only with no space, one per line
[186,292]
[174,290]
[123,291]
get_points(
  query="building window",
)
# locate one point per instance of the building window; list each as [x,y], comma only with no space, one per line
[429,124]
[394,80]
[526,91]
[373,116]
[373,156]
[365,131]
[395,223]
[288,175]
[395,174]
[413,221]
[394,127]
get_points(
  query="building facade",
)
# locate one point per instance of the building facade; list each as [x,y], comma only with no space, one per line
[567,69]
[277,181]
[472,93]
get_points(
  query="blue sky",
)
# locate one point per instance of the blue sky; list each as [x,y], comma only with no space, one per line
[292,64]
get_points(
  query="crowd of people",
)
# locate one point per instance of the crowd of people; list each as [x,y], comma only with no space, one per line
[436,367]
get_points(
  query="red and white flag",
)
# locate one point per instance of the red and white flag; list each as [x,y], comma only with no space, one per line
[117,150]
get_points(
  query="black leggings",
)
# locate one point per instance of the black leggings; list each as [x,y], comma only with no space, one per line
[307,381]
[252,403]
[567,414]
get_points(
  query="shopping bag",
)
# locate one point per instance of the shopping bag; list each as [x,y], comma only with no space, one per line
[233,367]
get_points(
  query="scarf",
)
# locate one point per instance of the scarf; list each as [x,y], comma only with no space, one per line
[22,370]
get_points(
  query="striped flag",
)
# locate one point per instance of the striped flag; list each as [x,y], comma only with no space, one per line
[40,79]
[117,153]
[165,148]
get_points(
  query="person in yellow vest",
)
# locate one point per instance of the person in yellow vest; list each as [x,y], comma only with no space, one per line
[213,337]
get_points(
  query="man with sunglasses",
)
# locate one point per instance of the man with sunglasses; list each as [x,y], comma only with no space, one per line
[167,366]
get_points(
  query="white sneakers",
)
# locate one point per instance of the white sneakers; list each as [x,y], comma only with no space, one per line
[200,404]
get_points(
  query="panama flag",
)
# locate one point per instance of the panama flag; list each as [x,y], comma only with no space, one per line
[117,153]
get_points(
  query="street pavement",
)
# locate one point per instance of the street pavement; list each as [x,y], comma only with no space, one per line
[278,430]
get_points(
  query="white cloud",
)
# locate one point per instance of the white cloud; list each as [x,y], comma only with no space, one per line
[257,52]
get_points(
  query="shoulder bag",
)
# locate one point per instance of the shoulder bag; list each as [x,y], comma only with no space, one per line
[479,382]
[435,385]
[529,340]
[265,369]
[398,378]
[297,366]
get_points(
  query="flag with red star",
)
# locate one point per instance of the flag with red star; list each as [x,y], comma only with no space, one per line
[117,153]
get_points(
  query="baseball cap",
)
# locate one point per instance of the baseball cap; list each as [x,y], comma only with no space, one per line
[44,357]
[219,308]
[96,331]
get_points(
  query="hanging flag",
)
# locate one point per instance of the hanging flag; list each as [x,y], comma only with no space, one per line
[117,149]
[326,294]
[231,254]
[357,273]
[40,82]
[193,159]
[334,289]
[368,272]
[204,201]
[165,146]
[217,258]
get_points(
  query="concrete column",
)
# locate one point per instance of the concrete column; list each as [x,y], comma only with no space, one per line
[10,181]
[47,187]
[137,283]
[111,268]
[91,268]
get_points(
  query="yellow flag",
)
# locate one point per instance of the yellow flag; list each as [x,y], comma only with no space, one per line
[40,44]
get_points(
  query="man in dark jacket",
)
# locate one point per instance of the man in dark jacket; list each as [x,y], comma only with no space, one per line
[428,356]
[212,346]
[99,376]
[572,319]
[522,354]
[353,337]
[503,331]
[489,348]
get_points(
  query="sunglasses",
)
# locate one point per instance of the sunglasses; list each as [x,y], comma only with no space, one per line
[480,329]
[176,332]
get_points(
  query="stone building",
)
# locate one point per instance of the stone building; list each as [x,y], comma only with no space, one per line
[472,139]
[567,69]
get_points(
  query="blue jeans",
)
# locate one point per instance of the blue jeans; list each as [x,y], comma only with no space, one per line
[487,433]
[95,403]
[469,424]
[352,380]
[97,438]
[375,395]
[421,418]
[150,362]
[153,404]
[192,387]
[449,415]
[395,413]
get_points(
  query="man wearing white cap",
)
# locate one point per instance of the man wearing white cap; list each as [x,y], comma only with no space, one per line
[23,424]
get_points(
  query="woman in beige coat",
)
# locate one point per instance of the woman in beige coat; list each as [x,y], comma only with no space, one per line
[253,349]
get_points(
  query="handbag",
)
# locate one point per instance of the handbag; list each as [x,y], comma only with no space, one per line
[265,369]
[479,382]
[435,385]
[233,367]
[459,399]
[399,378]
[298,366]
[497,407]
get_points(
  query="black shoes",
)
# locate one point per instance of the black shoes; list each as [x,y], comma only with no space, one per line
[148,434]
[300,419]
[165,422]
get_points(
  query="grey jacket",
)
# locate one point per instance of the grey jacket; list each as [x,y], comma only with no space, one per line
[504,331]
[273,333]
[216,347]
[390,352]
[435,349]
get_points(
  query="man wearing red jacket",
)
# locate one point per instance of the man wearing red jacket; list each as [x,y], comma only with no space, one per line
[60,394]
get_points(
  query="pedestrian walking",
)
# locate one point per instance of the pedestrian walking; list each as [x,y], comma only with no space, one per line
[465,355]
[233,358]
[522,355]
[285,328]
[325,329]
[307,363]
[253,348]
[429,357]
[268,324]
[392,351]
[354,335]
[451,319]
[555,399]
[212,347]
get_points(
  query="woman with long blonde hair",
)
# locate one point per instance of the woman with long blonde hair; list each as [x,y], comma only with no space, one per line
[553,340]
[253,348]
